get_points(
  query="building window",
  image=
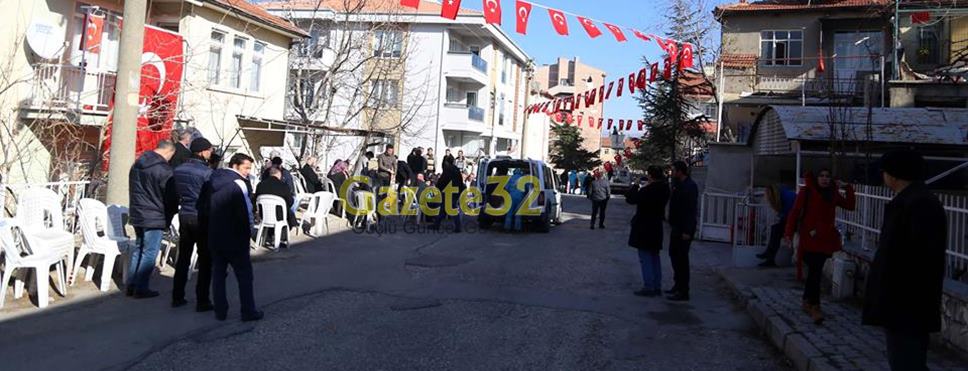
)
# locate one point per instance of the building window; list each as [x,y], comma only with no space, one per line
[929,49]
[471,98]
[387,44]
[215,57]
[255,77]
[235,75]
[500,110]
[385,93]
[781,48]
[314,45]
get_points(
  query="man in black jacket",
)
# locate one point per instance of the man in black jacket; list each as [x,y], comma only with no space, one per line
[308,172]
[182,152]
[417,163]
[153,202]
[189,178]
[904,285]
[274,186]
[225,210]
[452,177]
[682,222]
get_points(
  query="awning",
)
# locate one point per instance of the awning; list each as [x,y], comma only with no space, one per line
[260,132]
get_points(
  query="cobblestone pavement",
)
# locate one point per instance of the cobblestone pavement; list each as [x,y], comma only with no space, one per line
[840,343]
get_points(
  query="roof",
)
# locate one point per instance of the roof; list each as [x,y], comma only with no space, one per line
[367,6]
[258,13]
[787,5]
[694,84]
[948,126]
[737,60]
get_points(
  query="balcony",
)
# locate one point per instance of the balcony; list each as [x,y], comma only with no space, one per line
[67,88]
[822,88]
[461,117]
[466,68]
[319,58]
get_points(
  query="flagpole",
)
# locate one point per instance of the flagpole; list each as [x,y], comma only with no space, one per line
[719,112]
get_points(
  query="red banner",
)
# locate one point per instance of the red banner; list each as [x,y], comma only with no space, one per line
[92,33]
[162,61]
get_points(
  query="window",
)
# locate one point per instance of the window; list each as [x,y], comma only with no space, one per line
[235,75]
[215,57]
[453,95]
[929,49]
[500,110]
[781,48]
[255,77]
[387,44]
[314,45]
[385,93]
[504,71]
[472,99]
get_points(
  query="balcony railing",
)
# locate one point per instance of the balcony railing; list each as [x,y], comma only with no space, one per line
[475,113]
[69,87]
[479,63]
[813,86]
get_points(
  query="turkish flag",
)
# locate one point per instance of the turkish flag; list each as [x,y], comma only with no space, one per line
[558,20]
[641,35]
[669,46]
[524,12]
[821,67]
[667,71]
[492,11]
[641,80]
[687,56]
[410,3]
[920,17]
[655,72]
[590,27]
[617,31]
[449,9]
[92,33]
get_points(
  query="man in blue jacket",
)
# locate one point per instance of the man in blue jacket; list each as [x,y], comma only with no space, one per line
[189,178]
[225,211]
[682,222]
[153,201]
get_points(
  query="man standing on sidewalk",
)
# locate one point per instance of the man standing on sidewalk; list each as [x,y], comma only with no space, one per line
[153,202]
[682,222]
[189,178]
[226,213]
[904,285]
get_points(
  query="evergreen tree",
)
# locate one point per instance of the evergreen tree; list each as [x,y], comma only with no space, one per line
[567,152]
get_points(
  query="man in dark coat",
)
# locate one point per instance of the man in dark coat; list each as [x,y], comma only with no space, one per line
[683,204]
[182,152]
[450,176]
[308,172]
[153,202]
[646,233]
[274,186]
[225,210]
[276,162]
[417,163]
[190,176]
[404,174]
[904,285]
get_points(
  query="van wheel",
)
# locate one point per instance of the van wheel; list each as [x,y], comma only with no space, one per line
[544,225]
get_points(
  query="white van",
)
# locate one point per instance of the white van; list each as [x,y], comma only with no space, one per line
[548,200]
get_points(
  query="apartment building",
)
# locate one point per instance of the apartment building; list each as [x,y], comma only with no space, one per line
[454,84]
[567,77]
[235,65]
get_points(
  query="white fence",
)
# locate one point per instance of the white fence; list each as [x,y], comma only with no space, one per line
[743,221]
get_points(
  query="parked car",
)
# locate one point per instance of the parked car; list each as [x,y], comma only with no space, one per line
[548,198]
[621,180]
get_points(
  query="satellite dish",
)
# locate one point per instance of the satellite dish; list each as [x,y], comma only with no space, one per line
[45,39]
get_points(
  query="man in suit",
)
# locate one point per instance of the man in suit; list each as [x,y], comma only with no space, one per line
[225,210]
[190,176]
[182,152]
[682,219]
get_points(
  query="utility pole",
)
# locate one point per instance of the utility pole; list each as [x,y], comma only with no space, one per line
[124,125]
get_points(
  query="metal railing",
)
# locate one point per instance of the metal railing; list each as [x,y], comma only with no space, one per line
[717,211]
[475,113]
[69,87]
[478,63]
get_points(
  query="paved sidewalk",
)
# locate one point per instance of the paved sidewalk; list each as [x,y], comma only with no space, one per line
[772,297]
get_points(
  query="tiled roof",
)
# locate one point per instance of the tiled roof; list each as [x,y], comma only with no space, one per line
[736,60]
[258,13]
[694,84]
[367,6]
[744,6]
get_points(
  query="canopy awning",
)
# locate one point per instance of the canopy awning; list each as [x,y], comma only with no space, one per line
[261,132]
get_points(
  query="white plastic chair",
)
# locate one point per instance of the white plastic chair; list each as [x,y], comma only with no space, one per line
[301,195]
[168,244]
[117,218]
[329,186]
[40,215]
[274,215]
[97,239]
[366,202]
[317,214]
[40,261]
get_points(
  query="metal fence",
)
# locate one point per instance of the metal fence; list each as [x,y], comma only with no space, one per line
[717,213]
[65,86]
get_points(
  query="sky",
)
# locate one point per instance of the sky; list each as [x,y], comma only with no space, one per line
[544,45]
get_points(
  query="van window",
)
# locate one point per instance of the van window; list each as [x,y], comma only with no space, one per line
[549,179]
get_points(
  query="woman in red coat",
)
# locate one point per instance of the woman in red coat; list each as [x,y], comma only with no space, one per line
[813,218]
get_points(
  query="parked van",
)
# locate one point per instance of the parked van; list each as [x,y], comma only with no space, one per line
[548,198]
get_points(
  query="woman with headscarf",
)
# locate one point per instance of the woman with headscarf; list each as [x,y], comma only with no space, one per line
[813,219]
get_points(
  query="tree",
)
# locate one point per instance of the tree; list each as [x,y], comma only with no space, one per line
[567,152]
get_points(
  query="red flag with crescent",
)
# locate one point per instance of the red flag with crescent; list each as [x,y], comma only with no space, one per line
[523,9]
[686,60]
[617,31]
[449,9]
[558,21]
[641,35]
[590,27]
[492,11]
[92,33]
[410,3]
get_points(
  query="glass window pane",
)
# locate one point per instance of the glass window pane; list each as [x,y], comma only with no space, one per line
[796,49]
[780,51]
[782,35]
[766,53]
[766,35]
[796,35]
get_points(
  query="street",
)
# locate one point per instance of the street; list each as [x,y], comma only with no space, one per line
[476,300]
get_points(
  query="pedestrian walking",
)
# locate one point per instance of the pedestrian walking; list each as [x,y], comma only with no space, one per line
[226,213]
[572,181]
[189,179]
[308,172]
[183,139]
[599,193]
[650,201]
[431,163]
[904,284]
[154,201]
[781,200]
[813,219]
[452,177]
[683,205]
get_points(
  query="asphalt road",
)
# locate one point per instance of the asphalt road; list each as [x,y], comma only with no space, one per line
[476,300]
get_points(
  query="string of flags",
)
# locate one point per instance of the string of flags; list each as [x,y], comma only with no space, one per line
[567,118]
[559,20]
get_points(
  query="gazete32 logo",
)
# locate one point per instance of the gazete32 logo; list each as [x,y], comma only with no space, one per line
[504,193]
